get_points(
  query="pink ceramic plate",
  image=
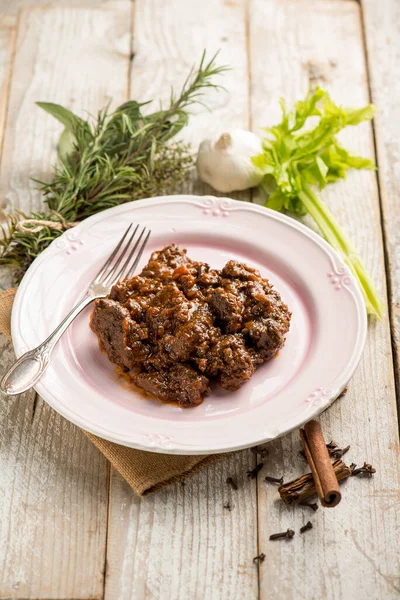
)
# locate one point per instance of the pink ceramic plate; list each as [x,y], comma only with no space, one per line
[323,346]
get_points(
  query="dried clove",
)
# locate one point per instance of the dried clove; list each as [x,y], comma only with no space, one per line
[332,445]
[230,481]
[339,452]
[269,479]
[306,527]
[366,469]
[228,506]
[312,505]
[259,559]
[333,449]
[288,534]
[254,472]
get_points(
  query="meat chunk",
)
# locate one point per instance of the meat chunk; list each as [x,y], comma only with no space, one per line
[266,335]
[179,326]
[163,263]
[227,309]
[238,270]
[120,336]
[179,384]
[230,362]
[191,339]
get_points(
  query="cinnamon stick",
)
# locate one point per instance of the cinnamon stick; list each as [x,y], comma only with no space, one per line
[317,455]
[303,487]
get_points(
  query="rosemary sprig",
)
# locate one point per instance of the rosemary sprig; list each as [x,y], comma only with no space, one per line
[117,157]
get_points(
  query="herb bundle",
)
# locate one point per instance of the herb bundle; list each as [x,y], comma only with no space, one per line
[297,159]
[117,157]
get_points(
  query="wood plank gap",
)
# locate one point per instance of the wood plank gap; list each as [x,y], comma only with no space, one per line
[34,406]
[389,287]
[108,509]
[248,56]
[258,533]
[131,48]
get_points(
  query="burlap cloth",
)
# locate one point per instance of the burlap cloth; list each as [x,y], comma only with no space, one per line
[144,471]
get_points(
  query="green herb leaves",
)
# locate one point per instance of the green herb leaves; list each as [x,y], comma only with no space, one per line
[298,158]
[114,158]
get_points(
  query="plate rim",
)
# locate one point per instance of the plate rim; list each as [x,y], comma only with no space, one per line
[274,215]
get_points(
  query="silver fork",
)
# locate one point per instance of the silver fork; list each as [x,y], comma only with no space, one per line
[122,262]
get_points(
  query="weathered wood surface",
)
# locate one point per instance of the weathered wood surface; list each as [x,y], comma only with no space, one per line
[352,552]
[56,538]
[54,483]
[382,37]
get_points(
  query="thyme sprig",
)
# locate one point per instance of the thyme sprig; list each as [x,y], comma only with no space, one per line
[104,161]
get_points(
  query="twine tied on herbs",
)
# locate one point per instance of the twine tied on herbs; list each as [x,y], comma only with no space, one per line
[36,225]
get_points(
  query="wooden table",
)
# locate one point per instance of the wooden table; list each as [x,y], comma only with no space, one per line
[69,527]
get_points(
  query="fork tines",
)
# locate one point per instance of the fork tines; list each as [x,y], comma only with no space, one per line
[125,257]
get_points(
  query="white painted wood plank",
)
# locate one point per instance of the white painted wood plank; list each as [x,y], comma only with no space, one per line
[352,552]
[382,35]
[54,483]
[181,543]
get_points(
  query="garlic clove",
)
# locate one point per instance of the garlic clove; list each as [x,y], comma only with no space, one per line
[225,162]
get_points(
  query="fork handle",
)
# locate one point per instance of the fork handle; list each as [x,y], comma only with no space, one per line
[29,368]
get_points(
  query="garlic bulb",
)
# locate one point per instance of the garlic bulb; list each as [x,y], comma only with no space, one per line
[225,163]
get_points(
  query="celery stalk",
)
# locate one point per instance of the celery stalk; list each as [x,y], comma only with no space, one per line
[337,238]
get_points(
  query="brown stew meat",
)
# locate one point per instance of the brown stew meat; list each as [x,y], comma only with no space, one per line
[180,325]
